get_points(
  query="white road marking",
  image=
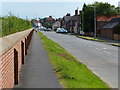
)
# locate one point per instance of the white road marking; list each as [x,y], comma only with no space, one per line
[105,48]
[98,49]
[107,52]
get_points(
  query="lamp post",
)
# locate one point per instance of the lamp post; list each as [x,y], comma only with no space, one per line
[82,20]
[94,22]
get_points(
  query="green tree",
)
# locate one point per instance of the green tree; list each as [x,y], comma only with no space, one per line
[12,24]
[87,13]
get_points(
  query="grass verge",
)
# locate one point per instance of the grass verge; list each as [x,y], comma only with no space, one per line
[117,44]
[71,73]
[92,38]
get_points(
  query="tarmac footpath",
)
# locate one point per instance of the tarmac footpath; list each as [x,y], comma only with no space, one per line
[37,71]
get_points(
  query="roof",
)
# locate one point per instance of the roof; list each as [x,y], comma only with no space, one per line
[112,23]
[49,19]
[104,18]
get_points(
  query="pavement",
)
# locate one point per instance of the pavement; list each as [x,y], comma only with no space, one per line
[99,57]
[37,71]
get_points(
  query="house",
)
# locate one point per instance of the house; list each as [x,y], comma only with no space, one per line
[72,23]
[50,20]
[109,29]
[36,23]
[101,21]
[67,22]
[56,25]
[75,23]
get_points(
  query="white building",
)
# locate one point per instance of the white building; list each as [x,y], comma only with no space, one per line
[56,25]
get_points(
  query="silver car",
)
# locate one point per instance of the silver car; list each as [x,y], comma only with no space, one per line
[61,30]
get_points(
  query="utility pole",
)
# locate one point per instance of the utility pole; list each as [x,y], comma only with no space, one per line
[78,23]
[82,20]
[94,21]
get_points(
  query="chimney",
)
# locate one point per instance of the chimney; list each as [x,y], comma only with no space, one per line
[50,16]
[68,14]
[76,12]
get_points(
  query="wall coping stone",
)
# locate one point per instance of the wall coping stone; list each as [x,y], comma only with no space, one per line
[7,42]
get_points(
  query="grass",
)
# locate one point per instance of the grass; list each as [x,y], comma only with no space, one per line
[71,73]
[92,38]
[116,44]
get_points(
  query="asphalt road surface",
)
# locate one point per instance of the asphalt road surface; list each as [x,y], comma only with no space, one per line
[99,57]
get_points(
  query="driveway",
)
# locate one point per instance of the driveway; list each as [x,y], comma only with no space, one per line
[100,57]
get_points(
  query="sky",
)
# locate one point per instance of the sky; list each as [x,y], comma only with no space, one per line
[44,8]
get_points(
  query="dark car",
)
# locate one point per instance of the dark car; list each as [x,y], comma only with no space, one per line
[48,29]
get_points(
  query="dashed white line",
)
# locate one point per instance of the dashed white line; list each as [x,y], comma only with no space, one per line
[98,49]
[107,52]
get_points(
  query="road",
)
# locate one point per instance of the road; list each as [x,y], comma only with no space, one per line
[99,57]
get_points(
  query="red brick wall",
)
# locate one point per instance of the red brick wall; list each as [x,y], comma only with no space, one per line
[107,33]
[116,37]
[7,63]
[7,69]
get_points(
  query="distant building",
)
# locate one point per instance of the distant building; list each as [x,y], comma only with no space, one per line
[72,23]
[56,25]
[109,29]
[50,20]
[36,23]
[75,23]
[67,22]
[102,20]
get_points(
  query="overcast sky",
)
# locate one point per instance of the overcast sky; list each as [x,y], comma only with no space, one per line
[44,8]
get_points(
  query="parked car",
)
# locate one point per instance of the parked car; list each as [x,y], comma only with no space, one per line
[36,28]
[61,30]
[48,29]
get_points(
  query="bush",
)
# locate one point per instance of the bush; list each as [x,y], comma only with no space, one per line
[13,24]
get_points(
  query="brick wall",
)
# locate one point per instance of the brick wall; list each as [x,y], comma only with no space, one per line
[116,37]
[107,33]
[12,60]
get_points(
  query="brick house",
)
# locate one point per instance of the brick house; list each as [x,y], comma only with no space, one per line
[50,20]
[75,23]
[102,20]
[72,23]
[67,22]
[108,30]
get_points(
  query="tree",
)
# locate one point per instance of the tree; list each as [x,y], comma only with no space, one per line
[87,13]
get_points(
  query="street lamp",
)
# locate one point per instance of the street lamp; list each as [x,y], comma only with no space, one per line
[94,21]
[82,20]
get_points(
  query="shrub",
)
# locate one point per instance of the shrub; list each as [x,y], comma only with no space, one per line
[13,24]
